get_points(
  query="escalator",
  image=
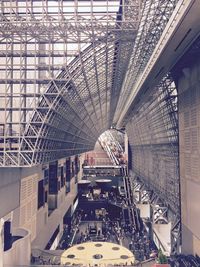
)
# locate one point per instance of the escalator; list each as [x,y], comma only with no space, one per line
[134,217]
[193,261]
[185,261]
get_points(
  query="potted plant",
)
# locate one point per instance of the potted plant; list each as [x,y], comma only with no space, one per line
[162,260]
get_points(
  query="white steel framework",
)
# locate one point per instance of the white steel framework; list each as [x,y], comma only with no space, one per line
[154,18]
[62,67]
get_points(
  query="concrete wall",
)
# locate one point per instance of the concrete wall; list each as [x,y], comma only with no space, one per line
[28,203]
[18,193]
[47,225]
[9,189]
[10,183]
[20,252]
[189,138]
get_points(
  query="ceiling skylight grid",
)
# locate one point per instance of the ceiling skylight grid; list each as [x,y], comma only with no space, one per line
[59,58]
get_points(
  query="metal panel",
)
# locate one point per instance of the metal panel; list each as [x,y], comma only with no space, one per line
[153,138]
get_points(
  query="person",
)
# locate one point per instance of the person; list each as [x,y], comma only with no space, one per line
[131,245]
[32,259]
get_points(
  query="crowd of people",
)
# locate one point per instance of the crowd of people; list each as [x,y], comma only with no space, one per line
[118,231]
[101,226]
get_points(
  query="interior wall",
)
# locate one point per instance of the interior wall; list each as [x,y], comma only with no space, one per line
[9,190]
[189,137]
[18,193]
[47,225]
[153,144]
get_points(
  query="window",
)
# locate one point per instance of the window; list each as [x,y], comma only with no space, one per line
[41,195]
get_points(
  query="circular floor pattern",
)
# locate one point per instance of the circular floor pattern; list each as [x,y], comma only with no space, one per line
[80,248]
[98,256]
[97,253]
[124,257]
[115,248]
[98,245]
[70,256]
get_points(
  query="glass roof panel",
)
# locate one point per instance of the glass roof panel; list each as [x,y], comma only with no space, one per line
[59,58]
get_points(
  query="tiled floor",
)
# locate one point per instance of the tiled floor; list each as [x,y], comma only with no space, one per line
[97,253]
